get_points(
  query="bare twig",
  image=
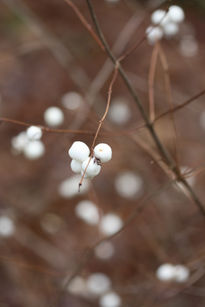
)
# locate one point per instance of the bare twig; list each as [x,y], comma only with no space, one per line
[85,23]
[164,153]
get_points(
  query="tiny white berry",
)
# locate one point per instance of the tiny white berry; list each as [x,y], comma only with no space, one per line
[76,166]
[176,13]
[19,142]
[34,133]
[110,299]
[110,224]
[103,152]
[181,273]
[170,29]
[157,16]
[98,283]
[166,272]
[79,151]
[87,211]
[92,169]
[154,34]
[53,116]
[34,150]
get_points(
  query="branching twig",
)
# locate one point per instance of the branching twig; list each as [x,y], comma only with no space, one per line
[165,155]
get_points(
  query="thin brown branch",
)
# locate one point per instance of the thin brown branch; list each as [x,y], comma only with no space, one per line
[151,77]
[85,23]
[165,67]
[47,129]
[163,151]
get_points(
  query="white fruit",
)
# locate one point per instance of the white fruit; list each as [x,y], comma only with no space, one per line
[181,273]
[110,224]
[79,151]
[76,166]
[103,152]
[34,133]
[176,13]
[98,283]
[92,169]
[166,272]
[53,116]
[110,299]
[34,150]
[87,211]
[170,29]
[157,16]
[154,34]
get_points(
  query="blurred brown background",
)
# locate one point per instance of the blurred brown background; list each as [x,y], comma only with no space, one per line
[46,52]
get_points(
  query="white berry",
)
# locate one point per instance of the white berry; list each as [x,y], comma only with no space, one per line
[181,273]
[34,150]
[176,13]
[34,133]
[92,169]
[170,29]
[110,224]
[110,299]
[157,16]
[154,34]
[103,152]
[79,151]
[166,272]
[19,142]
[87,211]
[53,116]
[98,283]
[76,166]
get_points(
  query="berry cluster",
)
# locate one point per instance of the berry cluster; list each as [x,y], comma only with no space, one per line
[165,23]
[82,162]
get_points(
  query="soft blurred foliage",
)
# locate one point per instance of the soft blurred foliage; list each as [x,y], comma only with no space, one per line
[46,52]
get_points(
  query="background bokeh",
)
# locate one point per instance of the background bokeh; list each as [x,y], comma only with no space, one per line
[45,52]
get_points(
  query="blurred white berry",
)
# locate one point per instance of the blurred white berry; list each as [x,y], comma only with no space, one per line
[92,169]
[34,150]
[176,13]
[129,185]
[181,273]
[110,299]
[53,116]
[7,227]
[170,29]
[110,224]
[79,151]
[119,112]
[72,100]
[34,133]
[76,166]
[166,272]
[87,211]
[103,152]
[154,34]
[77,286]
[69,187]
[19,142]
[104,250]
[157,16]
[188,46]
[98,283]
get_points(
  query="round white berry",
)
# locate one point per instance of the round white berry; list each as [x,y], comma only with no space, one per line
[72,100]
[119,112]
[7,227]
[154,34]
[69,187]
[98,283]
[87,211]
[34,150]
[181,273]
[53,116]
[166,272]
[157,16]
[129,185]
[103,152]
[92,169]
[79,151]
[110,224]
[110,299]
[170,29]
[104,250]
[76,166]
[34,133]
[19,142]
[176,13]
